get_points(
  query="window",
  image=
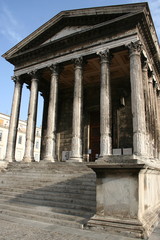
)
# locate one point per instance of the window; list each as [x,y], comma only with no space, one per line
[20,140]
[1,135]
[37,144]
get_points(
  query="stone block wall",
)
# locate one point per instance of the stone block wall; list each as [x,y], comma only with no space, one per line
[122,127]
[65,123]
[122,131]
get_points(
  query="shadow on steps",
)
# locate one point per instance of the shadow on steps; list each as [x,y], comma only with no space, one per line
[54,192]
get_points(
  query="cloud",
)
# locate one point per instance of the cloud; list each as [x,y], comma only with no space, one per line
[9,25]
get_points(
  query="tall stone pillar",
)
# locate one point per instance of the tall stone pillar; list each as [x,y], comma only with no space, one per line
[151,113]
[50,151]
[31,121]
[147,105]
[158,112]
[105,105]
[137,97]
[12,134]
[76,147]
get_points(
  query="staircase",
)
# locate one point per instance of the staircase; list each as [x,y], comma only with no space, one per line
[55,193]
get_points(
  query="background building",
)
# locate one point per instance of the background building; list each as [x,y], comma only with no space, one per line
[21,137]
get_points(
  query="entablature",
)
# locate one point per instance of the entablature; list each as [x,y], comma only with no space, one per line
[85,52]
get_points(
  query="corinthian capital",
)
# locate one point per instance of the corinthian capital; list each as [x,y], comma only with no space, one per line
[17,79]
[34,74]
[105,55]
[78,62]
[54,69]
[135,47]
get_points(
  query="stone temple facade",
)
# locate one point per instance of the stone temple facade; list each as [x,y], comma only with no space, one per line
[98,71]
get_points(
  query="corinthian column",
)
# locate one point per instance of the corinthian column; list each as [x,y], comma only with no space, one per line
[147,105]
[137,97]
[12,134]
[50,151]
[105,105]
[76,147]
[31,121]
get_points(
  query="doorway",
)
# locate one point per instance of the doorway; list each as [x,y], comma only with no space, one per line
[94,136]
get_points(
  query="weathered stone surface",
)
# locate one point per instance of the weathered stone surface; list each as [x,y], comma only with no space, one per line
[50,148]
[31,120]
[12,136]
[125,194]
[76,146]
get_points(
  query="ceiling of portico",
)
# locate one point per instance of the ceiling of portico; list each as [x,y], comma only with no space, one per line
[119,69]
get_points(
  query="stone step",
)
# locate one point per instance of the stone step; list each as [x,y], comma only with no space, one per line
[89,196]
[43,219]
[54,209]
[28,178]
[59,193]
[42,202]
[87,176]
[50,197]
[41,211]
[50,188]
[57,167]
[42,183]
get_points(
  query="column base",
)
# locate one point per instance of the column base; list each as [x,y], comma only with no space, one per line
[74,159]
[3,164]
[124,227]
[10,159]
[49,159]
[28,159]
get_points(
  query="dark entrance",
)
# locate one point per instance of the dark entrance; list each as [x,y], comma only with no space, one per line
[94,135]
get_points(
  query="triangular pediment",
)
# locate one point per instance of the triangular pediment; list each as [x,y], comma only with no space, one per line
[66,31]
[67,23]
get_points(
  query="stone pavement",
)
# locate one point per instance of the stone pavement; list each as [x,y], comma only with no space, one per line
[32,230]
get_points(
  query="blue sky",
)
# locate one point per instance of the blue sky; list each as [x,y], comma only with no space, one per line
[19,18]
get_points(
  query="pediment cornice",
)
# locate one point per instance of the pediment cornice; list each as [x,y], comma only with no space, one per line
[91,16]
[90,33]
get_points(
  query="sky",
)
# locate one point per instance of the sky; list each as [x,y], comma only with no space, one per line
[19,18]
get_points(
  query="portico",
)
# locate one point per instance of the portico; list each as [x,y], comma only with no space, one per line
[76,78]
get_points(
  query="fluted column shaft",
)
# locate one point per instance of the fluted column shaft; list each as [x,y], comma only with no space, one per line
[105,105]
[137,97]
[31,121]
[14,118]
[76,147]
[147,106]
[158,121]
[50,151]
